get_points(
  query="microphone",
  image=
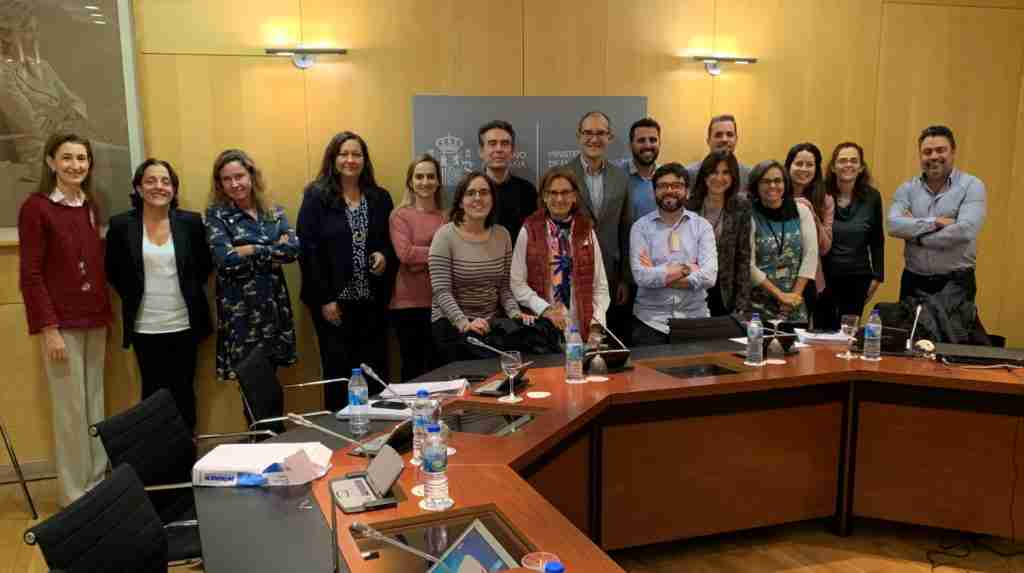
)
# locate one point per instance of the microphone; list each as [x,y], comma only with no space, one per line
[302,421]
[484,345]
[369,372]
[910,340]
[610,333]
[367,531]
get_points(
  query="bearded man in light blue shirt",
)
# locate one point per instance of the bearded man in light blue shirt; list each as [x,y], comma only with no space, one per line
[673,258]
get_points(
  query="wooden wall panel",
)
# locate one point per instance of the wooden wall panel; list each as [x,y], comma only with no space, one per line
[565,45]
[960,67]
[221,27]
[646,57]
[10,292]
[453,48]
[815,79]
[1012,272]
[936,467]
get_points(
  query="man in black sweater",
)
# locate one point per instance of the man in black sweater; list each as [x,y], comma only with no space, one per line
[516,198]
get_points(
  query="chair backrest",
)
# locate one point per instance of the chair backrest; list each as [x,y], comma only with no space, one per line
[696,329]
[113,527]
[257,381]
[153,438]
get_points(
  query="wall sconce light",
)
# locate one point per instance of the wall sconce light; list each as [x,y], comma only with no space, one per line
[303,58]
[713,63]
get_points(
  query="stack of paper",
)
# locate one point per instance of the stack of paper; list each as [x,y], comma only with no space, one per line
[821,338]
[454,387]
[230,465]
[378,413]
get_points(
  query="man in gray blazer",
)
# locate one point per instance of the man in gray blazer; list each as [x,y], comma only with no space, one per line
[606,200]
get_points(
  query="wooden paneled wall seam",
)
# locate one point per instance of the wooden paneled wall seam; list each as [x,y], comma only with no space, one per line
[826,68]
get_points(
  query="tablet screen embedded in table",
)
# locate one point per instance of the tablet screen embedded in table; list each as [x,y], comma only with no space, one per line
[475,551]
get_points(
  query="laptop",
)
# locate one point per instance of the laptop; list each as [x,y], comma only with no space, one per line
[979,355]
[362,491]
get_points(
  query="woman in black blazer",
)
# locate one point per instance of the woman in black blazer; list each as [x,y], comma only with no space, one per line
[348,263]
[158,261]
[716,197]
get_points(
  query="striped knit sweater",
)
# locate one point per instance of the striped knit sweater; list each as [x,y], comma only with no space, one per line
[470,279]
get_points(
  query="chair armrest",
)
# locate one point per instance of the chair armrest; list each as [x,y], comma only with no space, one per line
[316,383]
[169,486]
[182,523]
[251,433]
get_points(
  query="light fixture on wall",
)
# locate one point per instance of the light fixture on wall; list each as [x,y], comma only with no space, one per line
[303,58]
[713,64]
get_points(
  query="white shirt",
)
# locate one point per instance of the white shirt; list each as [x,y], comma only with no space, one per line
[163,308]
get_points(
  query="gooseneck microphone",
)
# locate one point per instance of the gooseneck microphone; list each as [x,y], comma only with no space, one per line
[367,531]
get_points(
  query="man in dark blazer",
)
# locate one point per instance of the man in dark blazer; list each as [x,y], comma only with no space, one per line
[165,360]
[606,200]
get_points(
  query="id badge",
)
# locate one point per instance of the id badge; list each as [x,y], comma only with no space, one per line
[675,244]
[781,271]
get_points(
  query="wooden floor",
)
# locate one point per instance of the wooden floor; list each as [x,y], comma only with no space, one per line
[874,547]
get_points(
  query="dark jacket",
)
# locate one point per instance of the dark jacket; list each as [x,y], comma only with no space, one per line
[733,252]
[325,241]
[125,270]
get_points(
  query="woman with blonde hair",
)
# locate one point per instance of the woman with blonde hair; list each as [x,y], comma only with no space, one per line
[250,239]
[412,226]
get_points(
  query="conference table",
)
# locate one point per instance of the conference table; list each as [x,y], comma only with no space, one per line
[685,442]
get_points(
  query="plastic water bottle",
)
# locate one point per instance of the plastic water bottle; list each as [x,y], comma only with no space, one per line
[358,402]
[422,416]
[755,341]
[873,338]
[554,567]
[435,470]
[574,357]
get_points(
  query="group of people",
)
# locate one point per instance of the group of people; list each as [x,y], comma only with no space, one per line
[594,246]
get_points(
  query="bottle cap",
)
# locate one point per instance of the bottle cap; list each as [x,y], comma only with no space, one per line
[755,316]
[357,372]
[422,393]
[554,567]
[433,428]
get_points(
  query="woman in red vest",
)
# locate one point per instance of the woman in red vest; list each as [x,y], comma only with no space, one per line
[557,272]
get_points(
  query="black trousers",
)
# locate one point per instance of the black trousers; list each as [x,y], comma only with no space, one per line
[169,361]
[415,341]
[842,295]
[644,335]
[361,336]
[931,284]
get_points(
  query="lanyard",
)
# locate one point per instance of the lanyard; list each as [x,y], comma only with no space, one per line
[780,241]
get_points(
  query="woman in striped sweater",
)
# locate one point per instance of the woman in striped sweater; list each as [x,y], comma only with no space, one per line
[470,261]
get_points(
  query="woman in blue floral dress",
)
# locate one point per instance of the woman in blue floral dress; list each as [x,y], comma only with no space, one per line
[250,239]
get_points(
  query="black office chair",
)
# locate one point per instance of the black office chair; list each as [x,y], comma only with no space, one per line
[698,329]
[113,527]
[263,394]
[152,438]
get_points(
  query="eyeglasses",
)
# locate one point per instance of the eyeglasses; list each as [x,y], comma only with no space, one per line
[590,134]
[478,193]
[776,182]
[677,186]
[560,194]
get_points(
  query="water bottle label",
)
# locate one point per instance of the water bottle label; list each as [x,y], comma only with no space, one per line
[873,330]
[420,421]
[435,461]
[574,351]
[356,398]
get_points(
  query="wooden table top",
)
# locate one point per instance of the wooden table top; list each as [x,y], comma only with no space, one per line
[483,471]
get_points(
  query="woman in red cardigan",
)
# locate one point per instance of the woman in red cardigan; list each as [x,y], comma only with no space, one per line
[66,299]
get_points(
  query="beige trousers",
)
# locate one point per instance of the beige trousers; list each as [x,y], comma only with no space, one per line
[76,395]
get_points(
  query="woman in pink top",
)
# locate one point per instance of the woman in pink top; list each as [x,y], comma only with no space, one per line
[413,225]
